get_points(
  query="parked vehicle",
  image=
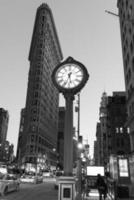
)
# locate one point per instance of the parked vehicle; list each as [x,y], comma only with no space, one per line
[31,178]
[46,173]
[3,169]
[8,183]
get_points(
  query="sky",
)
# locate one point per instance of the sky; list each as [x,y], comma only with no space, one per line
[86,32]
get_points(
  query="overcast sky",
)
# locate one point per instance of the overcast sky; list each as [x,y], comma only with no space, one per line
[86,32]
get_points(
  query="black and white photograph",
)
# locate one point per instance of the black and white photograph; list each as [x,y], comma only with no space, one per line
[67,100]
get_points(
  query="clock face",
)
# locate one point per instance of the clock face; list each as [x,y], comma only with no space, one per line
[69,76]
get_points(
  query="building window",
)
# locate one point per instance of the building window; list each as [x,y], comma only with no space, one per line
[121,130]
[131,47]
[126,63]
[39,140]
[128,130]
[130,12]
[21,129]
[124,49]
[122,142]
[32,138]
[128,58]
[33,128]
[126,4]
[117,130]
[130,31]
[125,30]
[126,40]
[118,142]
[31,148]
[133,64]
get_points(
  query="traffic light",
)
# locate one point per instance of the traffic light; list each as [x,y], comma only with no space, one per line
[80,139]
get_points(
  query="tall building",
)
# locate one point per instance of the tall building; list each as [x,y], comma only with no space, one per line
[98,145]
[118,136]
[39,135]
[111,133]
[20,137]
[126,18]
[103,129]
[8,153]
[4,119]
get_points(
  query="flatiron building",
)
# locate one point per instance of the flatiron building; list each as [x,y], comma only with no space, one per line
[38,129]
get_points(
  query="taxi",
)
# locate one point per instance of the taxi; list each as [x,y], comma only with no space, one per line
[8,183]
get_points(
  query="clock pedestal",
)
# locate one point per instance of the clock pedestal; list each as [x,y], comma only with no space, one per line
[66,188]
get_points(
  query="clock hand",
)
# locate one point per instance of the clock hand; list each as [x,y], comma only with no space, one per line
[69,78]
[69,75]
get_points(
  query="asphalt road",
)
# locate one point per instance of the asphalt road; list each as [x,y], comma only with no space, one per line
[42,191]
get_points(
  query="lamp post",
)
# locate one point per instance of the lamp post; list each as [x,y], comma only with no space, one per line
[79,150]
[79,175]
[78,114]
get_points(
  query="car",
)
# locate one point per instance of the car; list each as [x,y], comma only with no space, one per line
[46,173]
[3,169]
[8,183]
[31,178]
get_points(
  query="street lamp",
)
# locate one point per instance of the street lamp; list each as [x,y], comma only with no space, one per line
[79,166]
[80,146]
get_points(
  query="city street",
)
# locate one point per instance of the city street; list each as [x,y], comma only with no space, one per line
[43,191]
[33,192]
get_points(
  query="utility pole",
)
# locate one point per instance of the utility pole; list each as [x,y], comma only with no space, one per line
[78,115]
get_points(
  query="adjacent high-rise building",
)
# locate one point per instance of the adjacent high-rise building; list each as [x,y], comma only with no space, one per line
[20,137]
[111,133]
[118,135]
[103,129]
[126,18]
[4,119]
[38,137]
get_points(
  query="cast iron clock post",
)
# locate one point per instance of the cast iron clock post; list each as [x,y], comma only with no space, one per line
[69,77]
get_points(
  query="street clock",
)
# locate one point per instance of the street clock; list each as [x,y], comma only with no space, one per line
[70,76]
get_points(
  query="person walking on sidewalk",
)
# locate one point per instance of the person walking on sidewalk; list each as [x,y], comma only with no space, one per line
[102,187]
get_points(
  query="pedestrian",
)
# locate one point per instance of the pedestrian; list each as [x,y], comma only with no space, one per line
[101,186]
[83,186]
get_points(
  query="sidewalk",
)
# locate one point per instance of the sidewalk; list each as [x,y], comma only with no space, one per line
[130,198]
[96,197]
